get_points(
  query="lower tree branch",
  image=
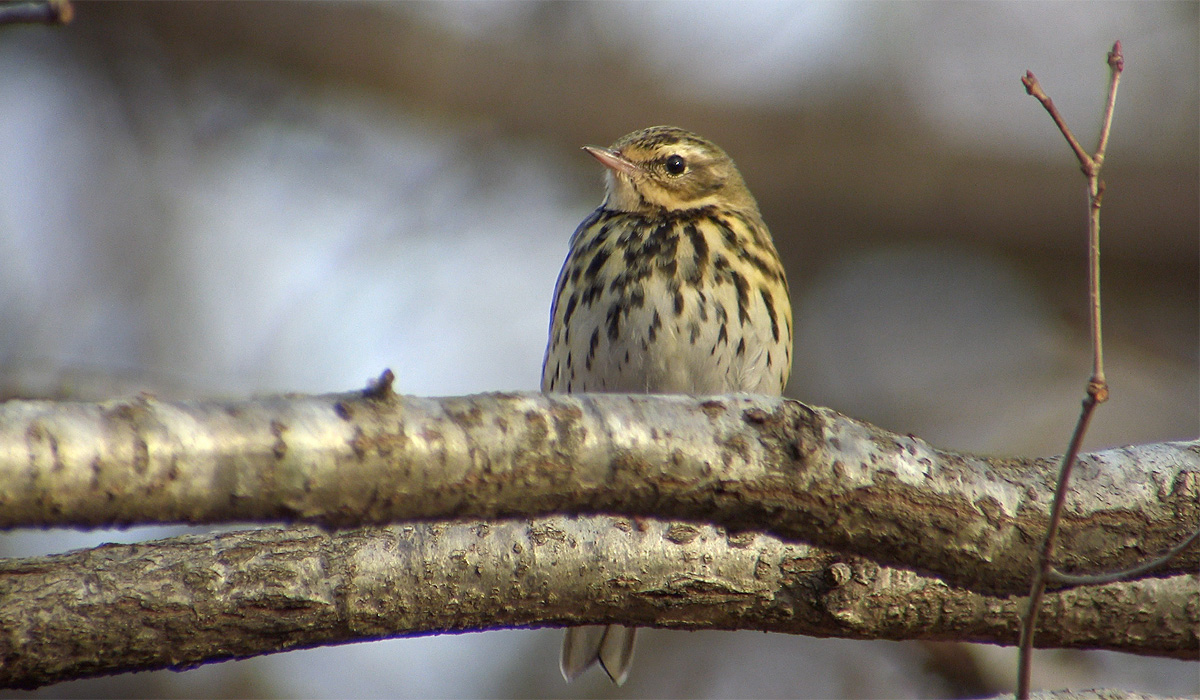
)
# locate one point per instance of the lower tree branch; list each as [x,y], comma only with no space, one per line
[185,601]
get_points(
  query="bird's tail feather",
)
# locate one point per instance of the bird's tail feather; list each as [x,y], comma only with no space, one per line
[611,645]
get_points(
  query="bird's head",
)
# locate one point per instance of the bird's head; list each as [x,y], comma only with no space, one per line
[665,167]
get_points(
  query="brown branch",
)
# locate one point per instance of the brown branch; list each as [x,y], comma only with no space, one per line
[748,463]
[1034,88]
[1097,386]
[185,601]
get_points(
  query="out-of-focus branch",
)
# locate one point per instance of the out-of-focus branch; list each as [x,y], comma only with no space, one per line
[747,463]
[189,600]
[36,12]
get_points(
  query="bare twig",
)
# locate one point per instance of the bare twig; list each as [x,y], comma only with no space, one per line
[1097,386]
[36,12]
[1033,87]
[1037,587]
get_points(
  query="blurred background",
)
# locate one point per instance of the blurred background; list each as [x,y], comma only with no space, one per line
[230,199]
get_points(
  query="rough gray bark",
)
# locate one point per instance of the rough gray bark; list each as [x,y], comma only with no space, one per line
[189,600]
[746,463]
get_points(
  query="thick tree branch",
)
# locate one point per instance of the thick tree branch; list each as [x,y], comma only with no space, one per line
[747,463]
[189,600]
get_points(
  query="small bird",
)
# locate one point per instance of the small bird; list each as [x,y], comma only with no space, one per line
[671,286]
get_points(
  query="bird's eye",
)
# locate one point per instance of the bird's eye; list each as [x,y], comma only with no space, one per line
[675,165]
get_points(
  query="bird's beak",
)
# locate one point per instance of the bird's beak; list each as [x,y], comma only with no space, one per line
[613,160]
